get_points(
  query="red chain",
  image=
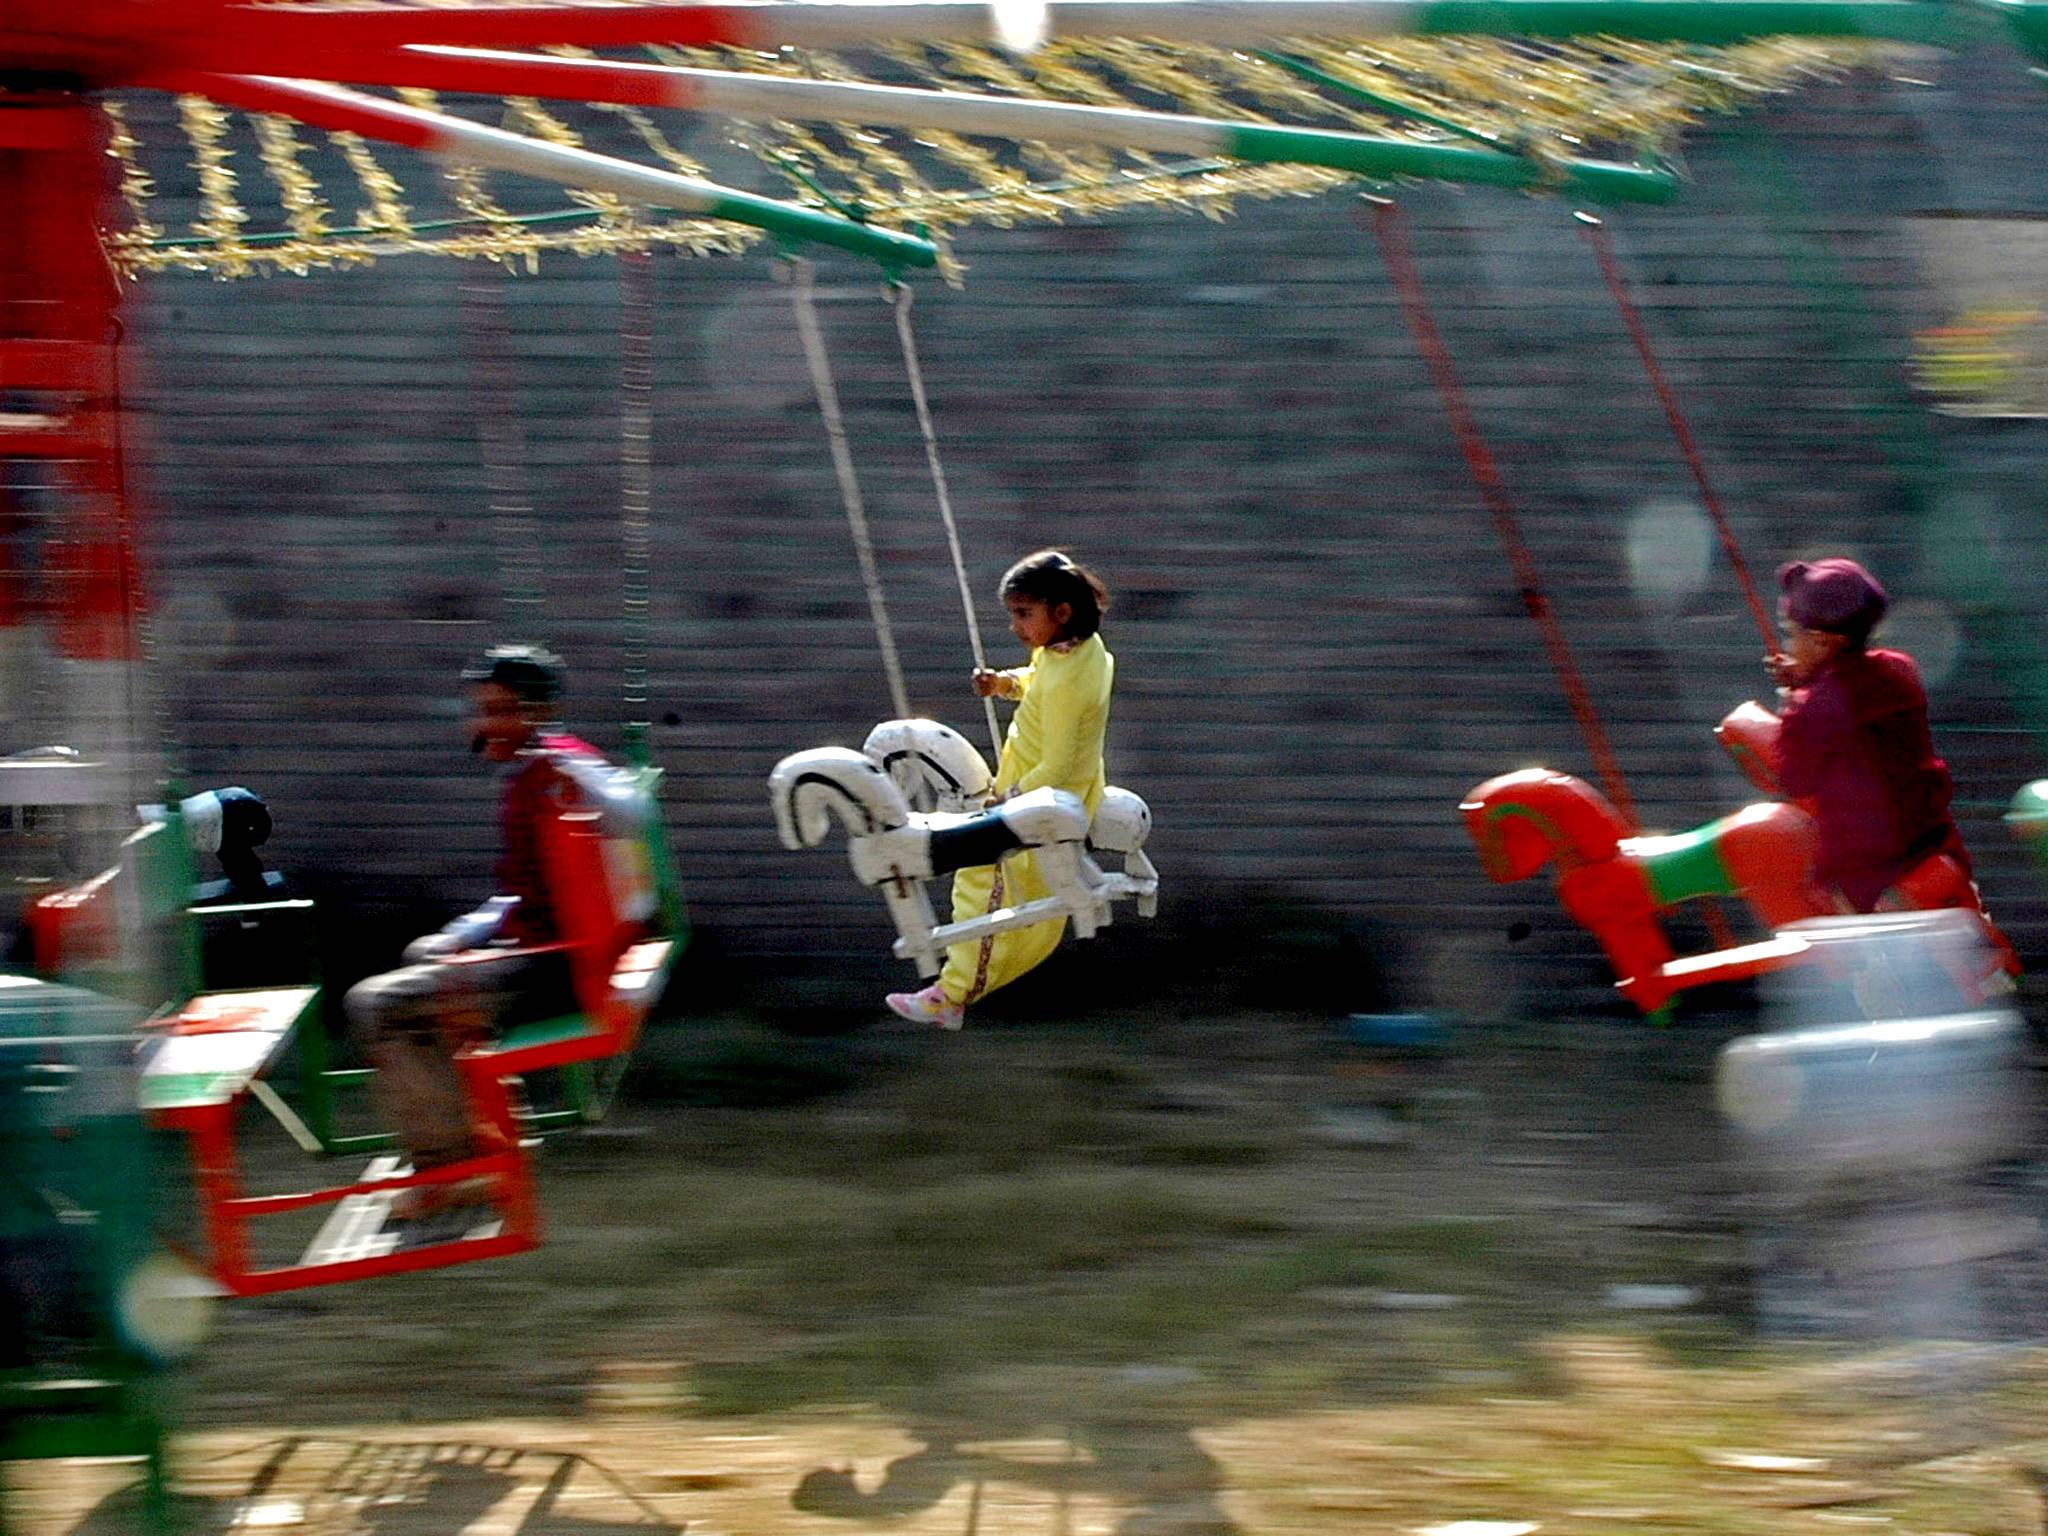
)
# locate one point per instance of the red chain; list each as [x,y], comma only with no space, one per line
[1493,491]
[1603,249]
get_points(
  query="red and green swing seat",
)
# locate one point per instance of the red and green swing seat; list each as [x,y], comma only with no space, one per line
[76,1191]
[207,1052]
[591,1046]
[618,966]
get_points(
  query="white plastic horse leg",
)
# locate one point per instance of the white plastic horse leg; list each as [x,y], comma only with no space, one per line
[911,907]
[1065,869]
[1122,823]
[1142,875]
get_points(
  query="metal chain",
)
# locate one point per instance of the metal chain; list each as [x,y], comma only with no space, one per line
[514,546]
[145,684]
[915,371]
[636,485]
[801,299]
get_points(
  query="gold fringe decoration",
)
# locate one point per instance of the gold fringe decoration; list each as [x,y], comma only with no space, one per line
[1546,99]
[385,213]
[305,211]
[221,216]
[136,185]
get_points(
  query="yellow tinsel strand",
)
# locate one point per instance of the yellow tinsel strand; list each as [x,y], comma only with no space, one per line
[649,132]
[470,191]
[1059,71]
[684,237]
[385,211]
[1407,81]
[221,216]
[981,168]
[982,67]
[1165,72]
[305,211]
[1281,91]
[867,158]
[136,186]
[804,147]
[544,125]
[652,136]
[910,181]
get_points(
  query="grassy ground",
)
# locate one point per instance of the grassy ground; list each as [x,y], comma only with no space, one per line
[1148,1274]
[887,1216]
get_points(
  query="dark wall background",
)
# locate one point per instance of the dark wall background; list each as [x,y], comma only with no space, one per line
[1320,645]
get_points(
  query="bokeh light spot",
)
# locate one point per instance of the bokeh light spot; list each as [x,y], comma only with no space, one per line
[1670,550]
[753,354]
[1928,632]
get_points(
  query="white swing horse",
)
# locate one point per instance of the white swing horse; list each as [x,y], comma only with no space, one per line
[895,848]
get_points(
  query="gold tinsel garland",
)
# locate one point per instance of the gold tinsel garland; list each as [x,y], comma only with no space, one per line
[1603,96]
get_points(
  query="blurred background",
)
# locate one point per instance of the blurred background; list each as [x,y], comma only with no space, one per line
[1346,1194]
[1321,647]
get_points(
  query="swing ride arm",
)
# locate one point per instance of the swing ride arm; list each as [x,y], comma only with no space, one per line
[305,40]
[276,59]
[450,138]
[1047,122]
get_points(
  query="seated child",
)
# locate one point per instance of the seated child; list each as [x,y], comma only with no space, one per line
[1055,741]
[1854,742]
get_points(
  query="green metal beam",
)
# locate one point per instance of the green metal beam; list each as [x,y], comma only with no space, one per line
[1706,21]
[1373,101]
[1386,159]
[2027,22]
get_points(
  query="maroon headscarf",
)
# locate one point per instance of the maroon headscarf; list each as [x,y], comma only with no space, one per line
[1834,595]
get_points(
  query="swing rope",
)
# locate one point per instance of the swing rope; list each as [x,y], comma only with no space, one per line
[503,445]
[802,300]
[1603,251]
[1407,280]
[636,488]
[915,371]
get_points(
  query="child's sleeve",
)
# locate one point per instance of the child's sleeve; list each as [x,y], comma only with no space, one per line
[1805,743]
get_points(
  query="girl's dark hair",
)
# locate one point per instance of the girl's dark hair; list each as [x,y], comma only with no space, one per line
[1054,578]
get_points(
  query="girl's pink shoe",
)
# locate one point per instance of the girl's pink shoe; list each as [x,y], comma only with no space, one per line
[927,1007]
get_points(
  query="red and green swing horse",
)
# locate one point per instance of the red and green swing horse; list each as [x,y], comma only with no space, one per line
[1618,886]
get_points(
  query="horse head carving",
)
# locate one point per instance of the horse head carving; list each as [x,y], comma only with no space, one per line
[1521,821]
[808,789]
[933,765]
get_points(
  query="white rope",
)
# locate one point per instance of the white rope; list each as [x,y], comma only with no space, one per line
[849,486]
[931,457]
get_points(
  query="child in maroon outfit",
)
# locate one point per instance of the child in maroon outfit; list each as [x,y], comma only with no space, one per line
[1854,743]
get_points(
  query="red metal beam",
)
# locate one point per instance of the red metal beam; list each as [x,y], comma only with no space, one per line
[490,73]
[317,44]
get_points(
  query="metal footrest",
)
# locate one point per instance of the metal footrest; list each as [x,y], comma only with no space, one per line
[360,1226]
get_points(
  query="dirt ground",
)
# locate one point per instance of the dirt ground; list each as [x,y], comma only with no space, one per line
[1152,1274]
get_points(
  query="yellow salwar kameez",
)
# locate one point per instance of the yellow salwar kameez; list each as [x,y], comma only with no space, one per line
[1055,741]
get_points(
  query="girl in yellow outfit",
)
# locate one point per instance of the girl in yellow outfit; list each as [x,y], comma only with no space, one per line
[1055,741]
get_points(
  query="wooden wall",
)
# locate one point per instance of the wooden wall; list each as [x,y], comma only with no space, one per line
[1320,644]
